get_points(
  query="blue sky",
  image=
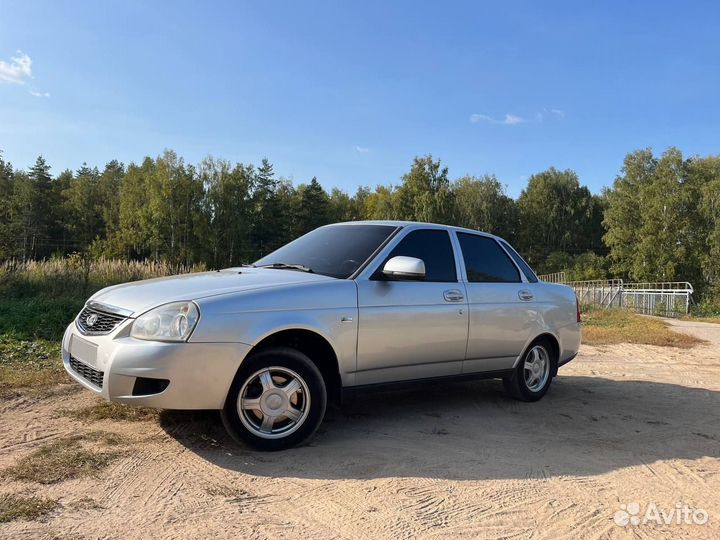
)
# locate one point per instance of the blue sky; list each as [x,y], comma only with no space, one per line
[350,92]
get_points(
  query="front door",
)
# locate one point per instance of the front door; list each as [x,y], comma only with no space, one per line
[413,329]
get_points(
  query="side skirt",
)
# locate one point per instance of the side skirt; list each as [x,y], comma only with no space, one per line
[348,393]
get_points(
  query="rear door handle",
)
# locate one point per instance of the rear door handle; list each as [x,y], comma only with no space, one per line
[453,295]
[525,295]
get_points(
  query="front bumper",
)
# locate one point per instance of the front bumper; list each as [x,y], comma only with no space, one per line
[199,374]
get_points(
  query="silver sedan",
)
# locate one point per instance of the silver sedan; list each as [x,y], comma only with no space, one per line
[342,308]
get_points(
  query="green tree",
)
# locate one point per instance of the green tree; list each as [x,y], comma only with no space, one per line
[312,208]
[623,213]
[108,187]
[160,210]
[7,230]
[42,213]
[23,224]
[359,202]
[482,204]
[555,214]
[285,201]
[266,208]
[82,206]
[585,266]
[656,229]
[229,211]
[702,235]
[425,193]
[380,204]
[341,207]
[662,218]
[132,237]
[30,210]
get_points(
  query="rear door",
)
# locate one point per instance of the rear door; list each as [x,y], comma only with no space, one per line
[413,329]
[501,305]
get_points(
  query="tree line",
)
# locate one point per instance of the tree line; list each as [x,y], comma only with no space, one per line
[660,220]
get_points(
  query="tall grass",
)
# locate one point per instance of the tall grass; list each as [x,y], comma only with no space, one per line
[76,276]
[39,298]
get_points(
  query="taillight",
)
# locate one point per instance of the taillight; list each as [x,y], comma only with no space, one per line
[577,306]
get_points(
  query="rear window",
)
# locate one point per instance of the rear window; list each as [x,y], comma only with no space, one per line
[529,273]
[485,261]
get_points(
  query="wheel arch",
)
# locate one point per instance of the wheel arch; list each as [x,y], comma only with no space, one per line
[315,346]
[555,344]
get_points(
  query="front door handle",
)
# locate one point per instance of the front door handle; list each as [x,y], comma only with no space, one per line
[525,295]
[453,295]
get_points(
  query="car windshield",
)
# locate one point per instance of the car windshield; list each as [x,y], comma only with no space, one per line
[336,251]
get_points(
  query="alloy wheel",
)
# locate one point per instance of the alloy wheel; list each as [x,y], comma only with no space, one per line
[273,402]
[537,368]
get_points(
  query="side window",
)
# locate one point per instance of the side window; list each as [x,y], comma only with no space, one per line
[529,273]
[485,261]
[434,248]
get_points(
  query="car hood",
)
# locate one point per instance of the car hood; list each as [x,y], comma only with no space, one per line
[138,296]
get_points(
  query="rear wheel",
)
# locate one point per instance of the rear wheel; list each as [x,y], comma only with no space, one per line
[277,400]
[531,379]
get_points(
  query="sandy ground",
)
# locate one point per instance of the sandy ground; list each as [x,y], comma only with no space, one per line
[621,424]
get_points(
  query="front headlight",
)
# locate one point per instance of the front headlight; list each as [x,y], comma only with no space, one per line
[171,322]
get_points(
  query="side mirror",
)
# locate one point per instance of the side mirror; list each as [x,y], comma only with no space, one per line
[405,268]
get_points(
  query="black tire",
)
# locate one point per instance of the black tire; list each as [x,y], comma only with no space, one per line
[245,430]
[517,386]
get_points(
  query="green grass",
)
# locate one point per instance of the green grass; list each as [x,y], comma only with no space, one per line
[612,326]
[29,366]
[105,410]
[30,334]
[65,459]
[38,299]
[14,507]
[38,317]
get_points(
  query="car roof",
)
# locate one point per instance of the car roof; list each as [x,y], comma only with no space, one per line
[399,223]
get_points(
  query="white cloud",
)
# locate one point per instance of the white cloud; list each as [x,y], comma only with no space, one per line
[513,120]
[477,118]
[361,150]
[509,120]
[18,70]
[545,113]
[39,94]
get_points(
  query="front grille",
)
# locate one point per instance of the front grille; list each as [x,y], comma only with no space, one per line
[91,375]
[99,322]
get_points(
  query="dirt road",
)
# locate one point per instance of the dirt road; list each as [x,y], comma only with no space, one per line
[622,424]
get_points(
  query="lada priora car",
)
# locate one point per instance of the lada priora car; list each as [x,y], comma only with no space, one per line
[346,306]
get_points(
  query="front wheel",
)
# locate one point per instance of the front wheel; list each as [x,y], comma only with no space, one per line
[531,379]
[276,401]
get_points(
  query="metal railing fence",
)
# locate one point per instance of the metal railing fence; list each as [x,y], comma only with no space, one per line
[555,277]
[663,298]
